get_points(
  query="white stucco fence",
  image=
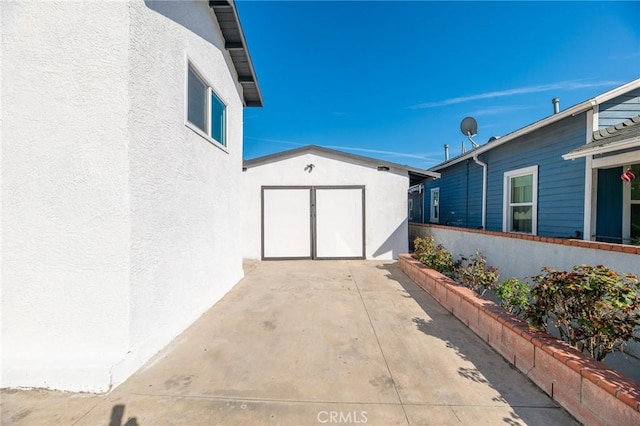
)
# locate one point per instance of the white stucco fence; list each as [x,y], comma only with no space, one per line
[524,259]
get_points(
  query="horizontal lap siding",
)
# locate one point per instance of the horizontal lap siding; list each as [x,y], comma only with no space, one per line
[619,109]
[460,196]
[475,196]
[560,182]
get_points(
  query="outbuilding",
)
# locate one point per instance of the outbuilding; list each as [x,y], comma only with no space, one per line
[319,203]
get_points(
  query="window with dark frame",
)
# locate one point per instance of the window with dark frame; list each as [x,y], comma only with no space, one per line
[205,110]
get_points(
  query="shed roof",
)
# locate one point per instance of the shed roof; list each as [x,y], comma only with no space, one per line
[416,175]
[569,112]
[235,43]
[621,136]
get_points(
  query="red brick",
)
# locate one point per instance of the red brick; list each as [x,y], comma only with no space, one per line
[467,312]
[514,322]
[493,310]
[439,292]
[583,413]
[566,381]
[523,352]
[451,301]
[610,408]
[508,343]
[489,328]
[631,397]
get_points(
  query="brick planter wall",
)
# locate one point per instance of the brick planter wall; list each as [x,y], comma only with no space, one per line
[593,393]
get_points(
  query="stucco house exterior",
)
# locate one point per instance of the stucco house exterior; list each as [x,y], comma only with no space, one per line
[319,203]
[558,177]
[121,158]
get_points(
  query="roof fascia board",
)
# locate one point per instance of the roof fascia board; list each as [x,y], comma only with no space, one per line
[572,111]
[338,155]
[616,146]
[231,6]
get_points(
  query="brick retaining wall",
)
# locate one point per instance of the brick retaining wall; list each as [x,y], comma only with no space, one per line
[593,393]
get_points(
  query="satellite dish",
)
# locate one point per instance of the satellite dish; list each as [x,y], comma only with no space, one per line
[469,127]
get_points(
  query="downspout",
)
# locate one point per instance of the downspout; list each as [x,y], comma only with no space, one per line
[421,197]
[484,190]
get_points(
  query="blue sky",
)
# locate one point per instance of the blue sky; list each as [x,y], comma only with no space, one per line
[393,80]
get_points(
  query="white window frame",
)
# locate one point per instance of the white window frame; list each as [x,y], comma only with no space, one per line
[506,200]
[626,206]
[436,206]
[210,92]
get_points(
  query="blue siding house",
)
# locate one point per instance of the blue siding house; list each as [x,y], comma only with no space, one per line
[558,177]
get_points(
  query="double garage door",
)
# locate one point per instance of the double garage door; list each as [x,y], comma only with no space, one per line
[313,222]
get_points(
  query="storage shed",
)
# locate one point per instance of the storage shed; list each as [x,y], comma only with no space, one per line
[319,203]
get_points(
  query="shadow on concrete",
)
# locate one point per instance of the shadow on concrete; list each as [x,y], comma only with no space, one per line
[485,370]
[117,412]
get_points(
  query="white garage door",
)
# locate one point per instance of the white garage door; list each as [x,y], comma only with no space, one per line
[339,223]
[313,222]
[286,223]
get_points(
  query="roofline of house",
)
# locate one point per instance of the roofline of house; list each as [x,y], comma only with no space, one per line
[360,158]
[572,111]
[603,149]
[234,40]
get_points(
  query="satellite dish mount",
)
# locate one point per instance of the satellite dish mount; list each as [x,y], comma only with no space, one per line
[469,128]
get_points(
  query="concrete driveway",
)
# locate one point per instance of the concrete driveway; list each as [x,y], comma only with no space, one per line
[312,343]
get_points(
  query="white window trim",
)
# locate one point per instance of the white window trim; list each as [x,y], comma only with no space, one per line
[431,206]
[626,207]
[190,64]
[506,198]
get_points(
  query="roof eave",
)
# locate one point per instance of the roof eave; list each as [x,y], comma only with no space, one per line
[255,162]
[236,45]
[616,146]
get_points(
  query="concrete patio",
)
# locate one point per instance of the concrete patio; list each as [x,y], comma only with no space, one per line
[311,342]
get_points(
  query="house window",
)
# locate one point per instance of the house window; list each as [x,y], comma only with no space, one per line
[205,110]
[635,206]
[410,208]
[434,215]
[521,201]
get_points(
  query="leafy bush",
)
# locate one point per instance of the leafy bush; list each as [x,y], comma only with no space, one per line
[514,296]
[594,308]
[475,274]
[435,256]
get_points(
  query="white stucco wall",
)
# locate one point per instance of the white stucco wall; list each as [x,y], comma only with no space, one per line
[65,205]
[385,199]
[120,224]
[185,227]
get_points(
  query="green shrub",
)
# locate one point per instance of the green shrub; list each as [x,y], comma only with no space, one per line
[514,296]
[475,274]
[594,308]
[435,256]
